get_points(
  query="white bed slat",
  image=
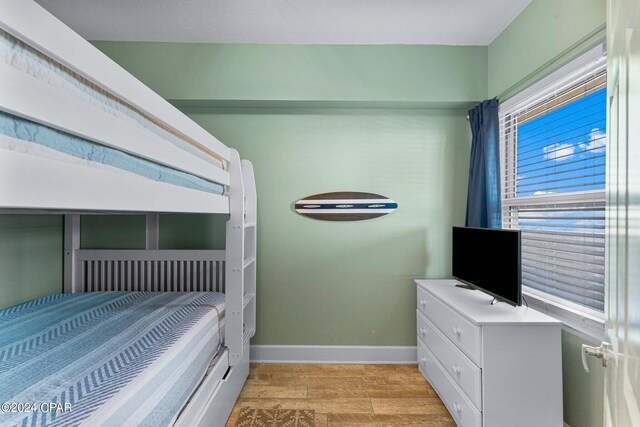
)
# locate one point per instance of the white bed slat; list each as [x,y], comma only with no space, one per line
[109,269]
[30,98]
[119,278]
[178,276]
[121,269]
[164,277]
[217,269]
[106,274]
[187,269]
[114,275]
[174,275]
[147,273]
[83,274]
[156,285]
[207,272]
[31,182]
[96,275]
[144,279]
[142,271]
[89,274]
[200,276]
[220,275]
[94,270]
[135,283]
[127,276]
[142,283]
[153,282]
[32,24]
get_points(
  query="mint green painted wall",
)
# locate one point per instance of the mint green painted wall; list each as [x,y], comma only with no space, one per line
[583,393]
[176,231]
[112,232]
[349,283]
[30,257]
[318,73]
[544,30]
[192,231]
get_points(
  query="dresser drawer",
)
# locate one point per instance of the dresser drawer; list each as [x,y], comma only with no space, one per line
[462,410]
[460,368]
[464,334]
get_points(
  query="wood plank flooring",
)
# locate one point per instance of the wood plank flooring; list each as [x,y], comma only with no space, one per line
[346,395]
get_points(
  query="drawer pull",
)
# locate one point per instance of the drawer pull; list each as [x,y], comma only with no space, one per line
[457,331]
[456,369]
[422,303]
[423,332]
[457,407]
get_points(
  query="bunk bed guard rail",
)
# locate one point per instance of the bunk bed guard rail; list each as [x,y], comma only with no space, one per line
[149,271]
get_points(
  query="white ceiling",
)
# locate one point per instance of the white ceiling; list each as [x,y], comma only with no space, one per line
[448,22]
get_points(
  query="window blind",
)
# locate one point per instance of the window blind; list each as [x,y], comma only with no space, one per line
[553,148]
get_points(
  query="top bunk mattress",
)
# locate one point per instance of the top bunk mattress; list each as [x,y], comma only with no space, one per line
[106,358]
[23,135]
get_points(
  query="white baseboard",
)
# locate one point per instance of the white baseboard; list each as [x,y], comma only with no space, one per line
[332,354]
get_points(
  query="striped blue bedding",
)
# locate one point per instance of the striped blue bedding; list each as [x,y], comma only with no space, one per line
[106,358]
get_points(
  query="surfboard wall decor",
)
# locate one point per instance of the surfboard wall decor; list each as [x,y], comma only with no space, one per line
[345,206]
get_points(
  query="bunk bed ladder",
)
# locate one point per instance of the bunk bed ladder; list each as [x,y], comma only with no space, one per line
[241,260]
[250,251]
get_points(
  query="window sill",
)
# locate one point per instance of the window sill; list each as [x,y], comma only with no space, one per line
[583,322]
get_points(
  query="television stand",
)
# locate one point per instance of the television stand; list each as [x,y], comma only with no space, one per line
[497,366]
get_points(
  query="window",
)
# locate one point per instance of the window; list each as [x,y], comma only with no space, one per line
[553,156]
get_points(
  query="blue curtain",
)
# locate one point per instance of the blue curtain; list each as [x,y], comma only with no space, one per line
[483,197]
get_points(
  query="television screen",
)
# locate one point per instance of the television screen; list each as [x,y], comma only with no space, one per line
[489,260]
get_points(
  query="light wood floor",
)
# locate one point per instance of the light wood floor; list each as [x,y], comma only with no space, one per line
[346,395]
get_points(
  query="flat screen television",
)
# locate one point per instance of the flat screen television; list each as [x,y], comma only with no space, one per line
[489,260]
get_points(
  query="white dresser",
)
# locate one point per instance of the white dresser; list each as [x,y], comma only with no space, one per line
[492,365]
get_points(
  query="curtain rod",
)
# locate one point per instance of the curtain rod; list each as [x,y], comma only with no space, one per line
[587,42]
[599,34]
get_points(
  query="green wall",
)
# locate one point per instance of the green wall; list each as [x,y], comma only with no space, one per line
[30,257]
[112,232]
[232,74]
[545,36]
[323,282]
[583,396]
[194,231]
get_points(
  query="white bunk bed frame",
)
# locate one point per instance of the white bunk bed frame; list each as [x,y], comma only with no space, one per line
[31,184]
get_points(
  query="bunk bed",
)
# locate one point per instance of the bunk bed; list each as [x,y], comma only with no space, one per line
[79,135]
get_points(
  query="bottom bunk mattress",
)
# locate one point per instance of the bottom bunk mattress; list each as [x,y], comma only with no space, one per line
[106,358]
